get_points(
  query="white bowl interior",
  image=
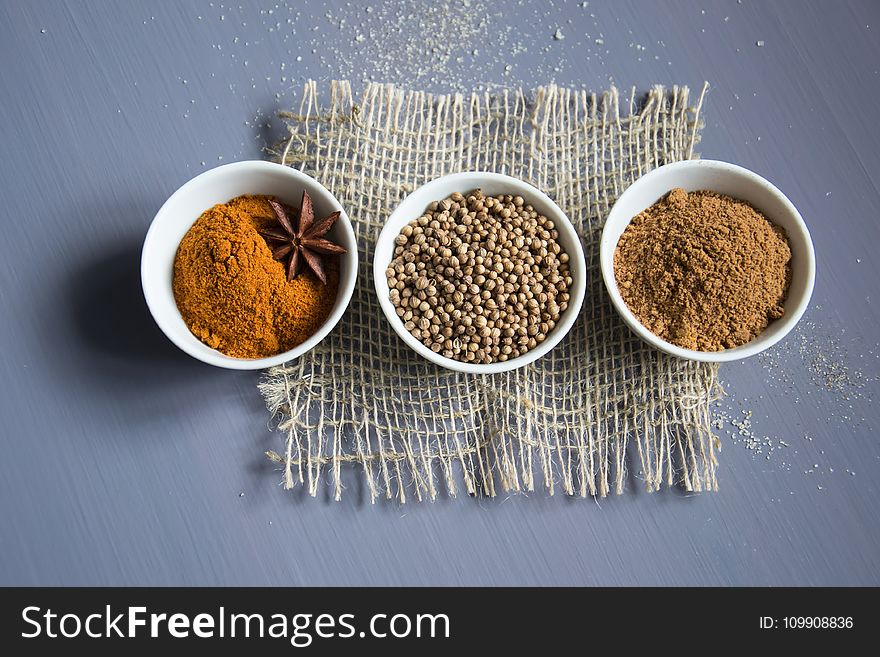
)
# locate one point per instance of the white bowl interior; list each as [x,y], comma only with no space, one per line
[219,185]
[735,181]
[413,206]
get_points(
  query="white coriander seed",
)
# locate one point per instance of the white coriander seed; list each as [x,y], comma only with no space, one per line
[479,278]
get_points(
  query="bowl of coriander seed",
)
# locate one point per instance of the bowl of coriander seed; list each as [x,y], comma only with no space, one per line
[480,272]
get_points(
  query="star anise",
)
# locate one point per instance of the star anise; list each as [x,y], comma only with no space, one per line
[301,239]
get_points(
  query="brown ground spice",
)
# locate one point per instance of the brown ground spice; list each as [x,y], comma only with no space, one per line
[234,296]
[702,270]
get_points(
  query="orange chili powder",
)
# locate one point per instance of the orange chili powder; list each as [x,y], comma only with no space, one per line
[234,296]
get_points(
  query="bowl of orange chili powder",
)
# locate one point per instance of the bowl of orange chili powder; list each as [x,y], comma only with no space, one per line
[223,284]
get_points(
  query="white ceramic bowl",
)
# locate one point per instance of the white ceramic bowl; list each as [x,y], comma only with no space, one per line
[735,181]
[218,186]
[413,206]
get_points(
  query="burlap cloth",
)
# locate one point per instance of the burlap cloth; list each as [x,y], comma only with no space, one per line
[362,404]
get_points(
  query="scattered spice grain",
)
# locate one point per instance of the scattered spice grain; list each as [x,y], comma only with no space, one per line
[703,270]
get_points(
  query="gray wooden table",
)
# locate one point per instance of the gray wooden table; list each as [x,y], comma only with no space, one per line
[125,462]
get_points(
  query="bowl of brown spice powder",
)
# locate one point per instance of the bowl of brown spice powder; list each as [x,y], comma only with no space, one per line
[708,261]
[249,265]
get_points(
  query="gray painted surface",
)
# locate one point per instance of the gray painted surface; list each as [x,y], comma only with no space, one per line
[123,460]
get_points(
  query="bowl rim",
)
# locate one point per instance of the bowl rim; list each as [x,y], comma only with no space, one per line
[471,180]
[189,343]
[751,348]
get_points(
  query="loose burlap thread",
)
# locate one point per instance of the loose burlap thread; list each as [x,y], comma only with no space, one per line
[363,401]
